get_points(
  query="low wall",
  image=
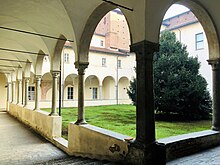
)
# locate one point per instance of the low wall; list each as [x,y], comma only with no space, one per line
[94,142]
[186,144]
[74,103]
[48,126]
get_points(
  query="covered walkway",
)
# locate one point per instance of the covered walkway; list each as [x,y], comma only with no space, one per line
[20,145]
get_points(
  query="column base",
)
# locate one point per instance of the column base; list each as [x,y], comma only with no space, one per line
[152,154]
[214,128]
[80,122]
[53,114]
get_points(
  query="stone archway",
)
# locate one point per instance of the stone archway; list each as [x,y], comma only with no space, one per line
[92,84]
[123,84]
[108,88]
[71,81]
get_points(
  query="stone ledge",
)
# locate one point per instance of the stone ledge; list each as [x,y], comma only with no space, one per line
[96,143]
[182,145]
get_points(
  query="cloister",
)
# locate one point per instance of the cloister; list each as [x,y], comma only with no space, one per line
[33,29]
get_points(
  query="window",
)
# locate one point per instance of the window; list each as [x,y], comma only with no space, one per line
[66,57]
[101,43]
[199,41]
[103,61]
[94,93]
[70,93]
[31,93]
[119,63]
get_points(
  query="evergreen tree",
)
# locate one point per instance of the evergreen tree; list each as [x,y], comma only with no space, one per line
[178,86]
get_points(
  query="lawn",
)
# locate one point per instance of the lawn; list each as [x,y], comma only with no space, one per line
[121,119]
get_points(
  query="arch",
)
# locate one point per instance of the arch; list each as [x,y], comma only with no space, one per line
[39,63]
[108,88]
[92,84]
[71,81]
[207,24]
[46,85]
[27,69]
[89,29]
[56,57]
[123,85]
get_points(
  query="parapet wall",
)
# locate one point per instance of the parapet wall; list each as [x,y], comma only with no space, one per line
[48,126]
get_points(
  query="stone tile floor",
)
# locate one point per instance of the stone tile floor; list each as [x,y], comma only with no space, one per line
[207,157]
[21,146]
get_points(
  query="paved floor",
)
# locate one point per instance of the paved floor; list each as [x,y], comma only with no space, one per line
[21,146]
[207,157]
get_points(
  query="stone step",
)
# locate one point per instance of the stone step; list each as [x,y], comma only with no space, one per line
[76,161]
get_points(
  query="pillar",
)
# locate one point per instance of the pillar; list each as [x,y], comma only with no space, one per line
[55,75]
[143,149]
[37,92]
[100,92]
[26,91]
[81,66]
[13,91]
[19,92]
[9,92]
[216,93]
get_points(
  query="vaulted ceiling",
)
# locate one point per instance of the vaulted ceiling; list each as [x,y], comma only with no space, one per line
[75,20]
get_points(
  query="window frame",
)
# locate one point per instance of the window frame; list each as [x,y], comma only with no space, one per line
[31,93]
[70,93]
[66,58]
[199,41]
[94,93]
[104,62]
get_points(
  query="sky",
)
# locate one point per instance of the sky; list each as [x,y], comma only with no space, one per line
[175,10]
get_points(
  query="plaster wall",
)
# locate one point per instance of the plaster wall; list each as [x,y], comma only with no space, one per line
[187,35]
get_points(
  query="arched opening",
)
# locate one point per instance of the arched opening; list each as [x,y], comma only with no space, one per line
[123,85]
[92,88]
[192,28]
[108,88]
[46,92]
[70,88]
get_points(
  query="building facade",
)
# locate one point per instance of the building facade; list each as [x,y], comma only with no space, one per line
[108,75]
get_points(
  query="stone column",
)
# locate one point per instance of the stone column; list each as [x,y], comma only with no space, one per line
[215,63]
[100,92]
[9,92]
[81,66]
[37,92]
[55,75]
[141,151]
[27,79]
[19,92]
[13,91]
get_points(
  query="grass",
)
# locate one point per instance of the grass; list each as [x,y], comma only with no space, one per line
[121,119]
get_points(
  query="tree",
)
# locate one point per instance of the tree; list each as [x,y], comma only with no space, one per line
[178,86]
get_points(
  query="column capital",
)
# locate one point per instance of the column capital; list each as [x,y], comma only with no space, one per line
[81,66]
[27,78]
[55,74]
[215,63]
[38,76]
[144,49]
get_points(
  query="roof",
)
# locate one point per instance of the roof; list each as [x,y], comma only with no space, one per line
[180,20]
